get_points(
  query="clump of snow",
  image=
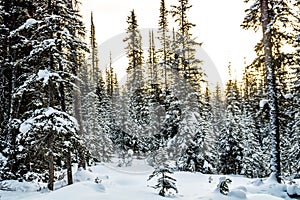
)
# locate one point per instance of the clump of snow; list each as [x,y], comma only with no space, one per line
[45,75]
[84,175]
[29,22]
[26,25]
[288,96]
[3,159]
[25,127]
[263,102]
[293,190]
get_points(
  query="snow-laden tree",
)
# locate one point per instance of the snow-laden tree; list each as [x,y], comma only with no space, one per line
[277,22]
[162,170]
[134,53]
[53,131]
[189,67]
[217,118]
[165,52]
[254,158]
[104,146]
[230,146]
[294,112]
[14,47]
[49,135]
[123,132]
[47,50]
[196,137]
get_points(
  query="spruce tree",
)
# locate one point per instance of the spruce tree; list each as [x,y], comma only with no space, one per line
[185,46]
[165,42]
[230,140]
[42,82]
[273,18]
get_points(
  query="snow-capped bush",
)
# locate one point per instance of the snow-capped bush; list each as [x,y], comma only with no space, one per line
[223,185]
[165,182]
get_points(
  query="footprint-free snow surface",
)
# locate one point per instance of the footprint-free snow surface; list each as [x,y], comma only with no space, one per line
[130,183]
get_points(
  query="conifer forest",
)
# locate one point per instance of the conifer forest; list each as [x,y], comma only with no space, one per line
[60,109]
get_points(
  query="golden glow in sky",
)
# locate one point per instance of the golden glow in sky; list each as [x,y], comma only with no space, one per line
[217,26]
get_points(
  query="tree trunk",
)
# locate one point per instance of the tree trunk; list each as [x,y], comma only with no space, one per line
[51,162]
[271,87]
[69,168]
[81,155]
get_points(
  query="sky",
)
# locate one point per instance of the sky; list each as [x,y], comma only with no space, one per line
[217,27]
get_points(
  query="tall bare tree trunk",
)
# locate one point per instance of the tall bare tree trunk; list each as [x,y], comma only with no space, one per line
[271,86]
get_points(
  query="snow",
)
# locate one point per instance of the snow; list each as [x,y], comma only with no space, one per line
[263,102]
[288,96]
[26,25]
[62,120]
[109,182]
[45,75]
[293,189]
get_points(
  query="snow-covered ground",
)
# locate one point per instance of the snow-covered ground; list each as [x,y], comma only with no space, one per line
[130,183]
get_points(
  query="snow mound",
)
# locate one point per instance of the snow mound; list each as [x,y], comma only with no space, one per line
[257,182]
[84,175]
[269,186]
[82,190]
[293,190]
[237,194]
[14,185]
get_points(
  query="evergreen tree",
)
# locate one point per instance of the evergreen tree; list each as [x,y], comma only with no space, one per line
[230,140]
[165,42]
[294,112]
[165,182]
[185,46]
[42,82]
[273,17]
[254,164]
[134,52]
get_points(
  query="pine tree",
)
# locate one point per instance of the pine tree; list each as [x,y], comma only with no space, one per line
[271,16]
[111,80]
[294,112]
[104,147]
[94,53]
[165,182]
[253,126]
[14,46]
[217,120]
[134,52]
[165,42]
[230,146]
[254,164]
[125,128]
[42,82]
[185,47]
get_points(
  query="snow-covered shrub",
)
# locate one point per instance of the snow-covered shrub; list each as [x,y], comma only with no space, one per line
[164,182]
[293,191]
[126,159]
[223,185]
